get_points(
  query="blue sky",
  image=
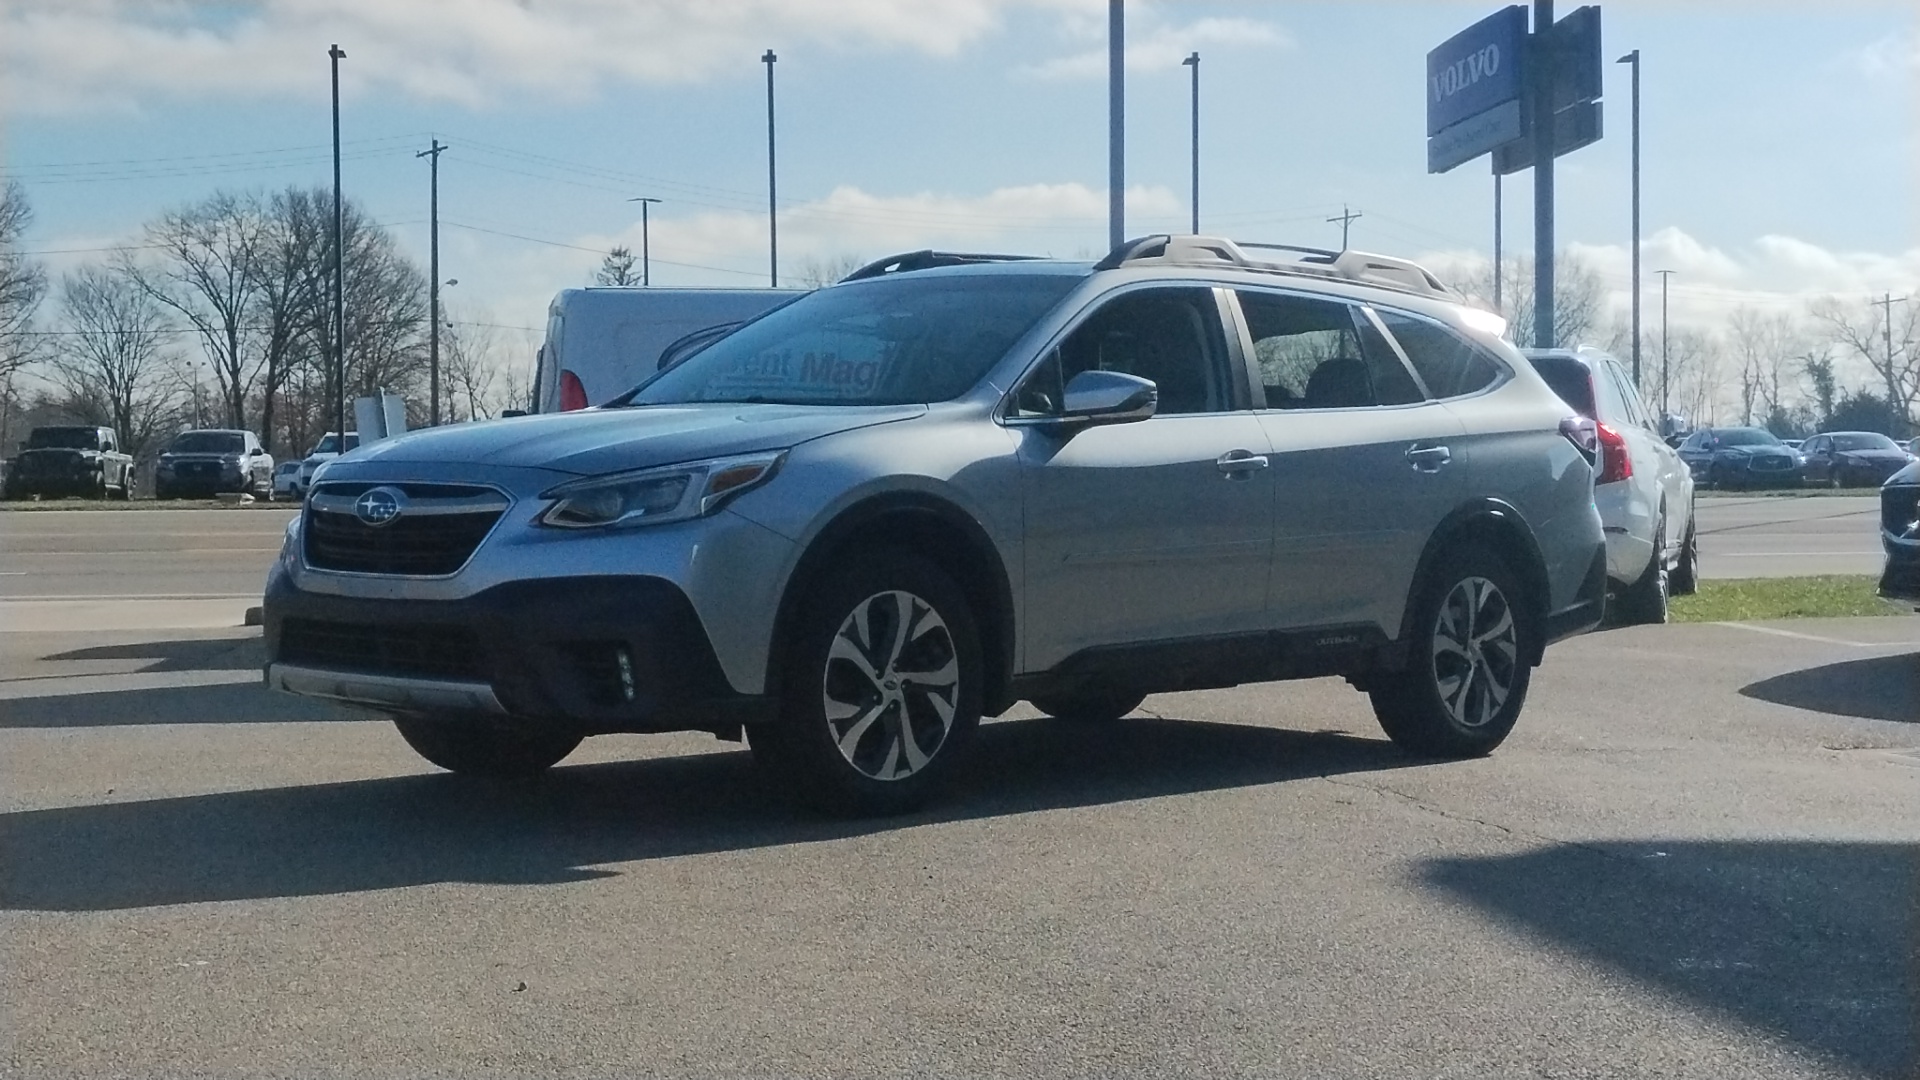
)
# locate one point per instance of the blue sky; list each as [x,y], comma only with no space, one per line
[1778,137]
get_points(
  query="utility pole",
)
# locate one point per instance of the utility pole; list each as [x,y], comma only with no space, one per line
[773,224]
[1541,101]
[1116,123]
[1346,219]
[433,292]
[646,275]
[335,54]
[1634,59]
[1193,61]
[1499,259]
[1664,276]
[1892,387]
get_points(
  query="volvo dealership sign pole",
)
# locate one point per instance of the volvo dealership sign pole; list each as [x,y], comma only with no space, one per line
[1525,98]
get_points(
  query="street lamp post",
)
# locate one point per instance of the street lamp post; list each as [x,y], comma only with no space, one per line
[1664,275]
[1633,58]
[335,54]
[773,226]
[1193,61]
[433,276]
[1116,123]
[646,275]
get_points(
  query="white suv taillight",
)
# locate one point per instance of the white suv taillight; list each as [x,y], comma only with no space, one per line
[1615,465]
[1584,435]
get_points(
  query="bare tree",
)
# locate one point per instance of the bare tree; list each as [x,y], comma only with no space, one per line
[819,273]
[1767,350]
[618,268]
[1693,380]
[22,284]
[207,271]
[1577,296]
[290,299]
[112,360]
[1862,330]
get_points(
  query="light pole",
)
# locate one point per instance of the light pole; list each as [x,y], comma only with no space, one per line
[433,294]
[773,226]
[1499,223]
[1544,336]
[1193,61]
[1116,123]
[646,275]
[335,54]
[1634,59]
[1664,275]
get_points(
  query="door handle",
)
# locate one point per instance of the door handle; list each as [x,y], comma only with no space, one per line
[1429,459]
[1240,464]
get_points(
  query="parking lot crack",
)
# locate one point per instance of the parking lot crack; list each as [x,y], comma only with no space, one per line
[1440,811]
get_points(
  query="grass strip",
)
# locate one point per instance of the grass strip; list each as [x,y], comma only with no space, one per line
[1824,596]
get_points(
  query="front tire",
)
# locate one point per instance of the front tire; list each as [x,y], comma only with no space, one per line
[481,746]
[1102,706]
[881,689]
[1467,674]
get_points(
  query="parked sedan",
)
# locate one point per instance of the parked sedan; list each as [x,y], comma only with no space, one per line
[1740,457]
[1852,459]
[286,480]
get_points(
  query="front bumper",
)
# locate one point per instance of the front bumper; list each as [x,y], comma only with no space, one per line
[202,482]
[1900,536]
[593,654]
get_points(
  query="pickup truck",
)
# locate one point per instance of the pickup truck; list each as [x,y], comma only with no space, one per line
[71,460]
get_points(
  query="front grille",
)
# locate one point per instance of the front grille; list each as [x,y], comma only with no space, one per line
[1899,508]
[439,652]
[1771,463]
[434,535]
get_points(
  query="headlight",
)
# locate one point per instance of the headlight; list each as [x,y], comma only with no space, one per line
[656,496]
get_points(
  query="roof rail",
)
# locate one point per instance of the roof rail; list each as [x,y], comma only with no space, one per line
[1383,270]
[926,259]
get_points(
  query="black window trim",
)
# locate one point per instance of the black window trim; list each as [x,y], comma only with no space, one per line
[1356,309]
[1502,368]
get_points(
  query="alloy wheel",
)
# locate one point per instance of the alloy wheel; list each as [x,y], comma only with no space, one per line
[1476,651]
[891,685]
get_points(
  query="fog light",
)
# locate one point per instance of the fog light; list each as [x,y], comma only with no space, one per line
[625,660]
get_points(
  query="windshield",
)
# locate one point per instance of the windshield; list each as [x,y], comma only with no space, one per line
[907,340]
[208,442]
[330,444]
[1744,437]
[1863,441]
[64,438]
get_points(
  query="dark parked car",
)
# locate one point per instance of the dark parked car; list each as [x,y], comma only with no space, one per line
[1900,535]
[1740,457]
[1851,459]
[71,460]
[212,461]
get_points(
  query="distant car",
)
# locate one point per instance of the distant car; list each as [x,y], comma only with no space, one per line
[286,480]
[1792,444]
[1852,459]
[70,460]
[1900,535]
[1740,457]
[323,451]
[213,461]
[1643,490]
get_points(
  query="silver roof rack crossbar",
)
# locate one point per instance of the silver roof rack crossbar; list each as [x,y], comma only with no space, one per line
[926,259]
[1172,250]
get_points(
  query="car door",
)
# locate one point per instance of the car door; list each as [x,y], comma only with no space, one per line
[1151,531]
[1364,466]
[1668,481]
[1819,454]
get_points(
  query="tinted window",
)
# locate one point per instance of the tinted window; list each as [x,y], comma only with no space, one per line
[1637,411]
[1570,379]
[894,341]
[1744,436]
[1447,364]
[1171,337]
[209,442]
[1613,407]
[1863,441]
[1322,354]
[64,438]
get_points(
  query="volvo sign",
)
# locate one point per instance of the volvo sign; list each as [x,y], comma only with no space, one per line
[1475,84]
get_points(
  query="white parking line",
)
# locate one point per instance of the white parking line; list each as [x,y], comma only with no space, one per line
[1792,554]
[1810,637]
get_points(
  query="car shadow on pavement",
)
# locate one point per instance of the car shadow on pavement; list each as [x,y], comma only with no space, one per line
[1813,942]
[222,703]
[422,829]
[186,654]
[1877,688]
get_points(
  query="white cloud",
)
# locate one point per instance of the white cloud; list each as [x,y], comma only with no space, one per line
[1893,57]
[61,55]
[1156,46]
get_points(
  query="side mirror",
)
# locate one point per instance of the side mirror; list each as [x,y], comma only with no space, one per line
[1108,397]
[508,413]
[259,452]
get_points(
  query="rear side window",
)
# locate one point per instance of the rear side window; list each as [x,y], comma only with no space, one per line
[1322,354]
[1570,379]
[1446,362]
[1636,409]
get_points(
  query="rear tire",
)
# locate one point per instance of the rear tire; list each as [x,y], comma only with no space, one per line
[1685,578]
[881,689]
[1100,706]
[1644,603]
[1467,675]
[482,746]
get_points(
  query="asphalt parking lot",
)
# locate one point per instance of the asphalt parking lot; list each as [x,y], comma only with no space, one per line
[1785,536]
[1699,855]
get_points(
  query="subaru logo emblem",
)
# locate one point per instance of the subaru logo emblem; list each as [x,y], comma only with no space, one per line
[379,506]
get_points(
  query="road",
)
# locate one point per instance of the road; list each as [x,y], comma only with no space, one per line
[1696,857]
[1784,536]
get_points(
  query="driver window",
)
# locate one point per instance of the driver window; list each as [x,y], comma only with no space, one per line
[1171,337]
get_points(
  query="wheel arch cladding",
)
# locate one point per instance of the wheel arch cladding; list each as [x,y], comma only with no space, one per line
[929,528]
[1499,527]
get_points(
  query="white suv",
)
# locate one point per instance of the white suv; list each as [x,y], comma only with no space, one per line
[1644,491]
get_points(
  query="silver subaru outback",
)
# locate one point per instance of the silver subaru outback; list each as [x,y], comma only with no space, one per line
[855,526]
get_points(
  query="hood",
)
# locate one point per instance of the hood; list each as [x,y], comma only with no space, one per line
[1877,456]
[1756,451]
[1908,475]
[175,455]
[597,441]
